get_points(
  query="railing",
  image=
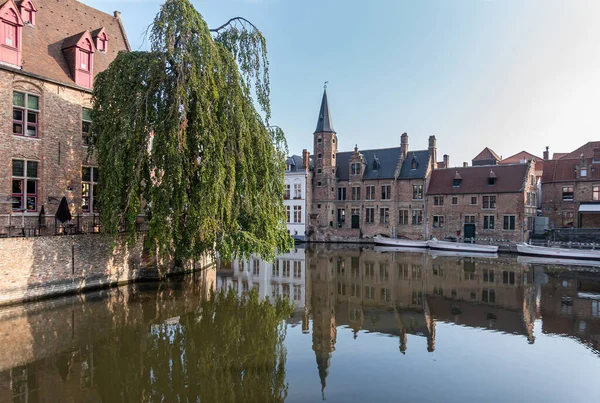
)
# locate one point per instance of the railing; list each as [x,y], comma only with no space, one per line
[80,224]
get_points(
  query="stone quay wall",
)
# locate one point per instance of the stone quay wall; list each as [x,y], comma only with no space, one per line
[47,266]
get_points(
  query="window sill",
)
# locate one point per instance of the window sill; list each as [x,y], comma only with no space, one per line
[19,136]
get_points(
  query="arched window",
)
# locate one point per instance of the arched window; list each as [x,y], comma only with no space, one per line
[28,11]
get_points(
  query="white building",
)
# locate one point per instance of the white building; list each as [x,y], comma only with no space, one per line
[285,276]
[297,192]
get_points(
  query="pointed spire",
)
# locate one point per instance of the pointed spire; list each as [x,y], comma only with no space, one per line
[323,362]
[324,123]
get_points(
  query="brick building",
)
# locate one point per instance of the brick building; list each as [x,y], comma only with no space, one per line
[571,187]
[50,52]
[363,193]
[497,202]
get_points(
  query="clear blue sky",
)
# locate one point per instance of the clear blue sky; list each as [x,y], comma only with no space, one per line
[508,74]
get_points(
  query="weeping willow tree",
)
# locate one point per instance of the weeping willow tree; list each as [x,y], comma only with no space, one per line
[182,133]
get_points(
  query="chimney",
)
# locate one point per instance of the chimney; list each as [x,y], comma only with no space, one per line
[432,152]
[404,145]
[547,153]
[446,161]
[305,159]
[117,14]
[465,164]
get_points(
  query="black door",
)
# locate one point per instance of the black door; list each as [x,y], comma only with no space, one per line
[355,221]
[469,231]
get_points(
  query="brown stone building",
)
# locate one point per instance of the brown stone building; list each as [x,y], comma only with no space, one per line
[497,202]
[50,52]
[571,188]
[363,193]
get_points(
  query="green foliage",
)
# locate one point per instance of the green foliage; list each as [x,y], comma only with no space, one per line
[178,135]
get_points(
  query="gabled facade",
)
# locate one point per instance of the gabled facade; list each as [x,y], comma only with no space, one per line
[297,194]
[48,61]
[492,202]
[571,188]
[487,156]
[363,193]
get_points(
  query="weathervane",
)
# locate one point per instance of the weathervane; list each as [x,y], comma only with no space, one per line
[325,85]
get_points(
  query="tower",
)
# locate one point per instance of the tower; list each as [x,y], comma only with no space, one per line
[325,152]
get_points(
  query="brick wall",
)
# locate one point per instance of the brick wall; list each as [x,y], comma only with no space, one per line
[33,268]
[553,205]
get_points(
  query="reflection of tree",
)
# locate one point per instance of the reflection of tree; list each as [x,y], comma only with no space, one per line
[230,349]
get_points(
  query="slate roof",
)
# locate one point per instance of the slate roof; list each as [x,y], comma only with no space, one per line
[387,159]
[324,123]
[510,179]
[487,154]
[57,20]
[295,162]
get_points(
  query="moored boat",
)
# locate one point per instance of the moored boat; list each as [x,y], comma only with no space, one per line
[556,261]
[435,253]
[400,249]
[405,243]
[461,247]
[565,253]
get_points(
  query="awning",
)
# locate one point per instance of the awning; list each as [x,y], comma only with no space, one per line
[589,208]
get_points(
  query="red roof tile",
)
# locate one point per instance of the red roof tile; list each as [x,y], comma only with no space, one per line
[587,150]
[525,156]
[510,179]
[564,169]
[487,154]
[57,20]
[557,156]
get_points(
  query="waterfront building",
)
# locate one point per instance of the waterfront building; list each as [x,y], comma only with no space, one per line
[571,187]
[486,201]
[297,194]
[50,52]
[487,156]
[363,193]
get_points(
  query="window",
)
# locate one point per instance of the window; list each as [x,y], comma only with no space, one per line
[386,192]
[319,140]
[355,168]
[583,172]
[385,295]
[86,123]
[403,217]
[297,269]
[25,114]
[567,218]
[469,219]
[286,194]
[255,267]
[297,191]
[596,192]
[89,192]
[341,216]
[242,266]
[438,200]
[383,271]
[275,271]
[341,194]
[456,182]
[488,276]
[370,270]
[285,290]
[488,296]
[473,200]
[567,193]
[369,292]
[102,42]
[370,219]
[528,200]
[417,192]
[417,217]
[319,156]
[288,214]
[341,288]
[491,181]
[297,292]
[355,211]
[488,222]
[355,290]
[508,277]
[285,272]
[489,202]
[417,271]
[509,223]
[417,298]
[438,221]
[319,170]
[355,192]
[403,271]
[454,200]
[319,184]
[595,308]
[24,185]
[341,266]
[384,215]
[370,192]
[84,60]
[297,214]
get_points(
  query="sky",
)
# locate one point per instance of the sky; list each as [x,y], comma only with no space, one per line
[511,75]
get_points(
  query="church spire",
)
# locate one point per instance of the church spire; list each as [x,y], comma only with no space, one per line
[324,124]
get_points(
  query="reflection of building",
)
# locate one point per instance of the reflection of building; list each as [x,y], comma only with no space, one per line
[285,276]
[570,305]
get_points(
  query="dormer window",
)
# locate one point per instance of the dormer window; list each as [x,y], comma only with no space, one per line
[457,180]
[100,39]
[492,178]
[376,164]
[414,163]
[355,168]
[10,33]
[583,172]
[28,11]
[79,52]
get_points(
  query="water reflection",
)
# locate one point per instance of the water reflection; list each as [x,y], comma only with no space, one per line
[167,342]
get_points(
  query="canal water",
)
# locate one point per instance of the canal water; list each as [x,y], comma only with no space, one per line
[367,324]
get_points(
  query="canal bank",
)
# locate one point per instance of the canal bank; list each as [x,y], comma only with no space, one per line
[49,266]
